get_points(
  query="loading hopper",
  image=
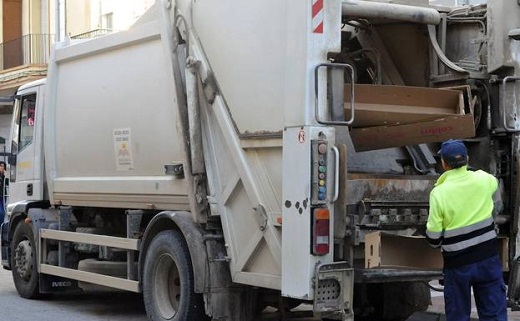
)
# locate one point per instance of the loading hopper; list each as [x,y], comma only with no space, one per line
[394,116]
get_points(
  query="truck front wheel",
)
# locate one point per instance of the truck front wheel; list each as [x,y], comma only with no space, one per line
[23,258]
[168,285]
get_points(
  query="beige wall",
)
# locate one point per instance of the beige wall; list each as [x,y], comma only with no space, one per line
[78,14]
[31,17]
[52,17]
[37,16]
[22,17]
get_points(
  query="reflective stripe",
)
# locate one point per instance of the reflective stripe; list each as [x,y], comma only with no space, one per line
[469,228]
[471,242]
[435,239]
[434,235]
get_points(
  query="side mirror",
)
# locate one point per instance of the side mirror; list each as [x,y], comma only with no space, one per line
[11,159]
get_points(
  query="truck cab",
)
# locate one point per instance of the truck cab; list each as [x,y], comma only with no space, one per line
[25,163]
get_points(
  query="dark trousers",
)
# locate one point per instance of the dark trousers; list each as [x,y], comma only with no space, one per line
[2,212]
[489,291]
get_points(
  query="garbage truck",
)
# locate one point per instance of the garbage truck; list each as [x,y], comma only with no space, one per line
[225,157]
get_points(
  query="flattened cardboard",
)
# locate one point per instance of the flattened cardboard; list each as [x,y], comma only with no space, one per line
[382,105]
[370,138]
[395,116]
[395,251]
[384,250]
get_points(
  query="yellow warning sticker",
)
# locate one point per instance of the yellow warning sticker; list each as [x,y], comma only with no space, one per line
[123,149]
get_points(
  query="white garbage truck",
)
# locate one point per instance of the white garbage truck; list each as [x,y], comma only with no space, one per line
[220,157]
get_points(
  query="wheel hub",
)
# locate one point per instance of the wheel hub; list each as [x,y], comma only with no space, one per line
[23,259]
[167,287]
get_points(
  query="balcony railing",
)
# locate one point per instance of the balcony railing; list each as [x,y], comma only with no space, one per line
[92,34]
[28,50]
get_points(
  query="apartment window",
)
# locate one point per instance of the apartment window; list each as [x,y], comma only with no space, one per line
[107,21]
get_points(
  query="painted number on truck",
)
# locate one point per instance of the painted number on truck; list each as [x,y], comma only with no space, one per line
[123,149]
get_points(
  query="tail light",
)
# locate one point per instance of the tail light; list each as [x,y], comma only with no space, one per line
[320,231]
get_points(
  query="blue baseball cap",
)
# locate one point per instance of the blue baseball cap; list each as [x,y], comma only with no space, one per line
[453,149]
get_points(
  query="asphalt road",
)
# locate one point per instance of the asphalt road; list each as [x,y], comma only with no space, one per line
[95,304]
[103,304]
[437,307]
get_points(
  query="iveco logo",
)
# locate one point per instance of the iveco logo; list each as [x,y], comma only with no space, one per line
[61,284]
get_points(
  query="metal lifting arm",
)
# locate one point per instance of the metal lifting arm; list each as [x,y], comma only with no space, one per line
[369,9]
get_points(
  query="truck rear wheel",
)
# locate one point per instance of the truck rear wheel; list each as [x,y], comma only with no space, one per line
[168,284]
[23,258]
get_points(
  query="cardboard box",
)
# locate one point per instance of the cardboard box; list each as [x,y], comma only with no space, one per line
[503,252]
[383,105]
[395,251]
[384,250]
[395,116]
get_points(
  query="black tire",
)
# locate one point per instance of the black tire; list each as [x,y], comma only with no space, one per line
[24,265]
[168,284]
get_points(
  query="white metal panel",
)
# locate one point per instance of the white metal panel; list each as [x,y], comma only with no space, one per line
[247,53]
[502,16]
[298,264]
[243,189]
[319,45]
[125,84]
[268,48]
[263,60]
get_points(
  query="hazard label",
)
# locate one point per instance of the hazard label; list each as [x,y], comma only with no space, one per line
[123,149]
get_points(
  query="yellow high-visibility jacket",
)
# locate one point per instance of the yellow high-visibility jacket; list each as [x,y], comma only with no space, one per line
[460,219]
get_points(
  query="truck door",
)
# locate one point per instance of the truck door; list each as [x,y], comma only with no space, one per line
[26,168]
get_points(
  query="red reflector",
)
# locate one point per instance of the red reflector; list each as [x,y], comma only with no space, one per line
[321,231]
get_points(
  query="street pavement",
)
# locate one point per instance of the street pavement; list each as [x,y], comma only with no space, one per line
[103,304]
[95,304]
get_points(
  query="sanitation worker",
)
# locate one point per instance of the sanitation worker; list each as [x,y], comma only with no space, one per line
[460,222]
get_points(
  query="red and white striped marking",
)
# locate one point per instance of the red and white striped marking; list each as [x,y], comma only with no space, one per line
[317,16]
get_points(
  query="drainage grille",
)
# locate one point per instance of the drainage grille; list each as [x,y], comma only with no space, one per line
[328,290]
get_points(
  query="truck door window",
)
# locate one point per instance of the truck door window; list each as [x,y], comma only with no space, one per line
[25,121]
